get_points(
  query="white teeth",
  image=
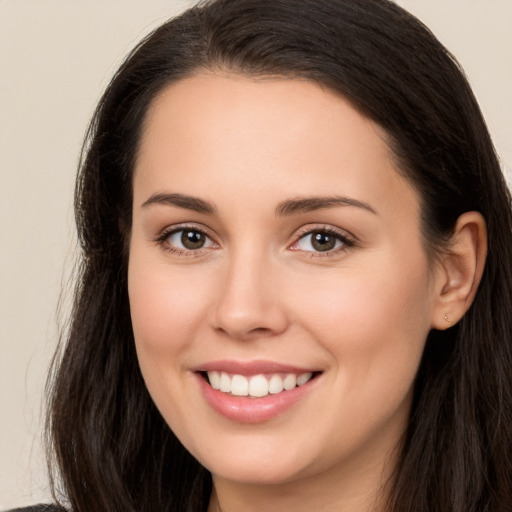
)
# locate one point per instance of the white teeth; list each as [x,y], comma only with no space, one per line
[275,384]
[239,385]
[303,378]
[258,385]
[290,381]
[214,379]
[225,383]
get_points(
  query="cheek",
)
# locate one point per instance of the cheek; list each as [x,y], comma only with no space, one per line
[374,325]
[372,320]
[166,306]
[167,310]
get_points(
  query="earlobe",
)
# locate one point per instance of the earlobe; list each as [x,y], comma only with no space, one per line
[460,270]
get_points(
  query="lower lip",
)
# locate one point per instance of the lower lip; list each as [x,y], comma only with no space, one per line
[252,410]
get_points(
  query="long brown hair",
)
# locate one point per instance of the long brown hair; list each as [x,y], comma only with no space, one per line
[109,447]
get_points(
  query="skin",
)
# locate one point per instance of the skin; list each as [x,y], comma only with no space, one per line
[258,289]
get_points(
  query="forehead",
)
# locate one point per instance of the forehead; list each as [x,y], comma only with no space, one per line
[276,135]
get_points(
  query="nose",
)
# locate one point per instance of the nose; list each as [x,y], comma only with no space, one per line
[248,303]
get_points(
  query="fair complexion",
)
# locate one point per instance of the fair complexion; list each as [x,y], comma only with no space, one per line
[272,235]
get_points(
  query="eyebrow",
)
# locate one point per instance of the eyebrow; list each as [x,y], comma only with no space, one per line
[182,201]
[309,204]
[285,208]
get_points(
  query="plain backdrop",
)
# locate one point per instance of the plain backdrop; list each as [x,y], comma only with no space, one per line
[56,57]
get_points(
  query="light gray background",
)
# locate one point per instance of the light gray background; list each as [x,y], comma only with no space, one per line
[56,56]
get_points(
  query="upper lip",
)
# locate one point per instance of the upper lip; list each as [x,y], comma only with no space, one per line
[251,367]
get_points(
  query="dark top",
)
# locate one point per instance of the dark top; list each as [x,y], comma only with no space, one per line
[38,508]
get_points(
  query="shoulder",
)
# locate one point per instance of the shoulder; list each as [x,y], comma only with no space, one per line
[38,508]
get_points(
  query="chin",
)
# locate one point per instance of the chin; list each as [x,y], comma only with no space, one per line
[261,465]
[256,474]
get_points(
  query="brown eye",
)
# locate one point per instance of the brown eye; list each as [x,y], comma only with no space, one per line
[191,239]
[322,241]
[188,240]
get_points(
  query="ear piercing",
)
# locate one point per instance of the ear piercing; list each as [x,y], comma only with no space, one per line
[446,319]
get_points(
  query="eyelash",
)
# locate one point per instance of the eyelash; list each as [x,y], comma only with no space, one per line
[163,237]
[346,241]
[344,238]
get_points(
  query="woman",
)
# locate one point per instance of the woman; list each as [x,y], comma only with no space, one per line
[295,284]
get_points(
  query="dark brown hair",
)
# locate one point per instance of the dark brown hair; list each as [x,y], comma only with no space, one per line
[110,448]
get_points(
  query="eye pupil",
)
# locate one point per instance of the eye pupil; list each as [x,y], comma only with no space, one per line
[192,239]
[322,241]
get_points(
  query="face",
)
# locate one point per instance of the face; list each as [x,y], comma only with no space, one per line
[276,254]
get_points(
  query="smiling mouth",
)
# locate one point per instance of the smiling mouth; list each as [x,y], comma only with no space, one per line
[256,386]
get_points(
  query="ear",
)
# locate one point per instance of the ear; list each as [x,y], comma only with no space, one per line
[460,270]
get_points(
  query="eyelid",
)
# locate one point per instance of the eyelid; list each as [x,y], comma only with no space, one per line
[329,228]
[164,234]
[348,240]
